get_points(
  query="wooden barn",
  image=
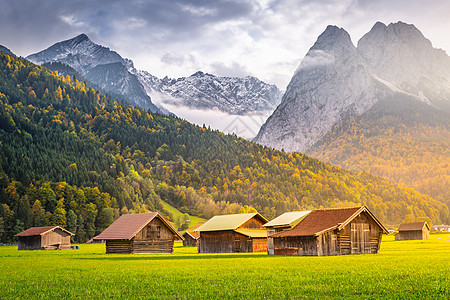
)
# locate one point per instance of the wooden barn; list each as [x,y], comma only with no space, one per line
[284,222]
[332,232]
[140,233]
[45,238]
[190,238]
[413,231]
[233,233]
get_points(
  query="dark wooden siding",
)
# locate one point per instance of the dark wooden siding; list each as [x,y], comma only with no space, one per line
[29,242]
[271,231]
[413,235]
[361,236]
[156,237]
[228,241]
[189,241]
[55,239]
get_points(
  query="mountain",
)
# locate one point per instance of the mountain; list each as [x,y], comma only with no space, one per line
[331,84]
[5,50]
[101,66]
[233,95]
[401,56]
[71,156]
[336,82]
[398,125]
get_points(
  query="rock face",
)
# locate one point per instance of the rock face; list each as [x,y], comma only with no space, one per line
[204,91]
[337,81]
[401,55]
[101,66]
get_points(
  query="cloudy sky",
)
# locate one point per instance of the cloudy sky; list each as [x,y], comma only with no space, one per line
[263,38]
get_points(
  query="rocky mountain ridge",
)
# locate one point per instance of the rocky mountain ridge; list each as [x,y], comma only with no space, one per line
[116,75]
[233,95]
[337,81]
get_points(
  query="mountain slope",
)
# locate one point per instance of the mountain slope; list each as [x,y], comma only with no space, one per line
[403,140]
[67,150]
[101,66]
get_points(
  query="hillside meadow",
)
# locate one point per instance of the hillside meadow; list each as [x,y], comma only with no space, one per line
[402,270]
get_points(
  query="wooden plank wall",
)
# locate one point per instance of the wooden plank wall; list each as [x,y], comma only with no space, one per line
[412,235]
[362,235]
[216,242]
[56,237]
[29,242]
[189,241]
[259,244]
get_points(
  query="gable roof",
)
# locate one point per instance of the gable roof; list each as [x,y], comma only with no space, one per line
[323,220]
[194,235]
[288,219]
[228,222]
[41,230]
[127,226]
[413,226]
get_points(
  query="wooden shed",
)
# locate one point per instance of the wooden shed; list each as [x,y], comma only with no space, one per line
[233,233]
[140,233]
[413,231]
[332,232]
[46,238]
[190,238]
[284,222]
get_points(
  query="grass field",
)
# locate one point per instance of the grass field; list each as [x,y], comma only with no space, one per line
[195,221]
[402,270]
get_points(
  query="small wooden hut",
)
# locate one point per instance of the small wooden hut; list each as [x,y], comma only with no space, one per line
[140,233]
[190,238]
[332,232]
[45,238]
[233,233]
[413,231]
[284,222]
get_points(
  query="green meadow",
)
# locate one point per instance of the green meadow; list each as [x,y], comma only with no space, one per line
[402,270]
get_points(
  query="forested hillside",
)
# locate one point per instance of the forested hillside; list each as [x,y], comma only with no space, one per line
[71,156]
[400,139]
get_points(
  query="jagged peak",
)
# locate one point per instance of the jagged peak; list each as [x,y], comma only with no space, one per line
[202,74]
[332,35]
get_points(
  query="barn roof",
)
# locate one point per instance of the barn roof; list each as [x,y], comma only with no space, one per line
[413,226]
[253,233]
[194,235]
[323,220]
[228,222]
[127,226]
[41,230]
[288,219]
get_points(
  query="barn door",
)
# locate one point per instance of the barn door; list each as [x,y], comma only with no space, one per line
[366,237]
[237,245]
[359,239]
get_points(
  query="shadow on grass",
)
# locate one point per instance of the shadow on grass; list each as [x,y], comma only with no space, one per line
[138,257]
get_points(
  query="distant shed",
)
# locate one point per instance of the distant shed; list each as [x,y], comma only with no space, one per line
[284,222]
[332,232]
[45,238]
[233,233]
[190,238]
[140,233]
[413,231]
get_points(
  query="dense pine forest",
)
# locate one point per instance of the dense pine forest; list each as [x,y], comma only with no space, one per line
[403,140]
[74,157]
